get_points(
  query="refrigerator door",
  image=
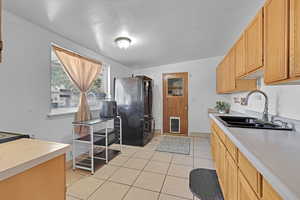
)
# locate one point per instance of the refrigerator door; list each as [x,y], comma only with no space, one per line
[130,102]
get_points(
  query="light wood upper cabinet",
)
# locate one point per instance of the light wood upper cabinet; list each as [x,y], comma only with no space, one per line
[226,76]
[231,70]
[240,59]
[276,40]
[231,178]
[245,192]
[294,38]
[254,43]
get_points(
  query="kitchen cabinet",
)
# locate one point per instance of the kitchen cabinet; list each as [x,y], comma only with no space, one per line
[238,178]
[33,170]
[226,76]
[294,38]
[276,15]
[269,193]
[231,178]
[269,48]
[254,44]
[240,59]
[244,190]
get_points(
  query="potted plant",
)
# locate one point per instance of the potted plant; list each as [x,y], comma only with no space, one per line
[222,107]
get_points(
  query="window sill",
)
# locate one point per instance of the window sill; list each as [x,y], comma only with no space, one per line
[67,111]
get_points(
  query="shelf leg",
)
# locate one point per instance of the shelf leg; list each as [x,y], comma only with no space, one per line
[106,144]
[120,134]
[73,149]
[92,149]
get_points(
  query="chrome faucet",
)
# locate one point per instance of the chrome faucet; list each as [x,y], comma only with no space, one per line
[265,116]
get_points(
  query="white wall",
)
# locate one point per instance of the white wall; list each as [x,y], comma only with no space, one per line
[202,90]
[284,101]
[25,80]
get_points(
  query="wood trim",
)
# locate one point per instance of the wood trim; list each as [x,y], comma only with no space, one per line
[56,48]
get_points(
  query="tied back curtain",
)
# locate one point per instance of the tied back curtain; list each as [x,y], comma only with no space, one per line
[83,72]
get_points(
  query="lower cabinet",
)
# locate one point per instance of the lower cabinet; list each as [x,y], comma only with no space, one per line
[245,191]
[239,179]
[269,193]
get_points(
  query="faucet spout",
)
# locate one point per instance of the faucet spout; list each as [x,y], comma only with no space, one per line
[265,116]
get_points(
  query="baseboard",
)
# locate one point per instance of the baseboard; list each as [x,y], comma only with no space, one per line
[199,134]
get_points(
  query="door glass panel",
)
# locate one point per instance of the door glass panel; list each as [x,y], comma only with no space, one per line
[175,87]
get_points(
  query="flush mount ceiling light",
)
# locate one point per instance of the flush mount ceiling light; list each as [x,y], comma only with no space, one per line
[123,42]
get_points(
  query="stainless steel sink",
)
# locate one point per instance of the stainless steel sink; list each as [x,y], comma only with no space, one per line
[250,122]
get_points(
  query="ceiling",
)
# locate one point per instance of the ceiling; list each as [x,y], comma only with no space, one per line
[162,31]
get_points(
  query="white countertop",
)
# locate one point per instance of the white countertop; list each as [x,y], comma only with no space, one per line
[20,155]
[275,154]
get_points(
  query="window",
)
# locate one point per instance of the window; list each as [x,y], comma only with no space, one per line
[65,95]
[175,87]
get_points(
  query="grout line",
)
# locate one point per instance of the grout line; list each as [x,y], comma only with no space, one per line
[132,185]
[170,163]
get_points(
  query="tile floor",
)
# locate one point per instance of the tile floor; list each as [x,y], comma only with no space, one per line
[141,173]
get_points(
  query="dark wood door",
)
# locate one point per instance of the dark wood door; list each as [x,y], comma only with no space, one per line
[175,103]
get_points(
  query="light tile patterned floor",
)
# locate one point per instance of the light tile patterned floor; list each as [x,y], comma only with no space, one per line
[141,173]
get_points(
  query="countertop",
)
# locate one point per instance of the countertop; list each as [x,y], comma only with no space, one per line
[275,154]
[20,155]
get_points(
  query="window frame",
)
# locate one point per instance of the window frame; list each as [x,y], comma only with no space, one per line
[105,70]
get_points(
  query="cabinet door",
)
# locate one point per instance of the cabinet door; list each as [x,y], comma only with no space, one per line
[294,38]
[231,70]
[221,164]
[231,177]
[218,79]
[276,40]
[240,62]
[244,190]
[254,43]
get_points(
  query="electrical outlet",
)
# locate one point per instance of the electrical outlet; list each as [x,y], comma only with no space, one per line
[237,100]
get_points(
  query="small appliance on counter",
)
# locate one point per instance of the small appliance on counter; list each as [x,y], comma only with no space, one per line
[7,137]
[108,109]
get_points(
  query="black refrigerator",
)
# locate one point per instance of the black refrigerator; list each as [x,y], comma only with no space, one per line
[134,101]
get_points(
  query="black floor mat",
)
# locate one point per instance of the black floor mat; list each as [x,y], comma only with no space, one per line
[204,184]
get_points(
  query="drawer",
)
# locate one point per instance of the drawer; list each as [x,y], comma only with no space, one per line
[219,132]
[269,193]
[231,148]
[251,174]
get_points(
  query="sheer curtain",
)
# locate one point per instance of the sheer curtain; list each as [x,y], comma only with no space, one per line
[83,72]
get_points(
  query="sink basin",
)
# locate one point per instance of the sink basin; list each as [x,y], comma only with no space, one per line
[249,122]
